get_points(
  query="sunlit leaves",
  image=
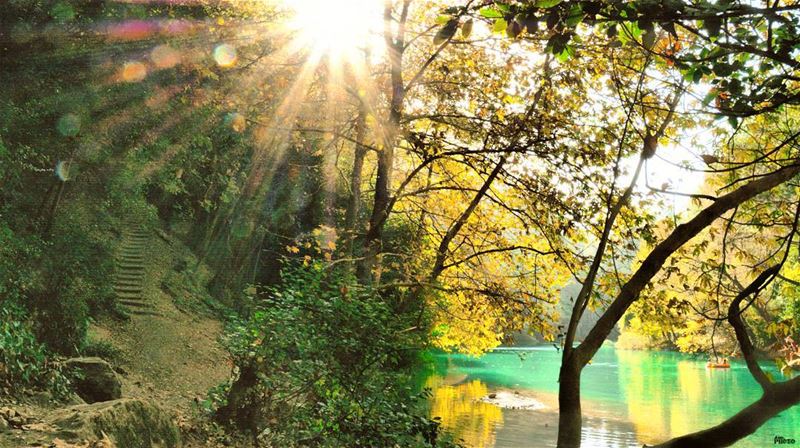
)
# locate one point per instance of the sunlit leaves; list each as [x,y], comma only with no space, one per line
[760,41]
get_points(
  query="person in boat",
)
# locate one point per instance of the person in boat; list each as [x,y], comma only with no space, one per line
[714,362]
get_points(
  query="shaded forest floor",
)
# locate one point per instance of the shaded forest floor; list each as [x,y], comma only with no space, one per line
[174,354]
[171,355]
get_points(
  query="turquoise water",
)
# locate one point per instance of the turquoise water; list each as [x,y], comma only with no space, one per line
[629,398]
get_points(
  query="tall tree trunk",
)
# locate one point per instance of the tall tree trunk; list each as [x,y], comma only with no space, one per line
[569,405]
[380,208]
[51,215]
[356,177]
[241,409]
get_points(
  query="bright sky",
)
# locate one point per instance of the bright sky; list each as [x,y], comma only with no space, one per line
[667,168]
[341,29]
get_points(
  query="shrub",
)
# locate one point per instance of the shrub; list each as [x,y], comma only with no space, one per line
[324,362]
[23,361]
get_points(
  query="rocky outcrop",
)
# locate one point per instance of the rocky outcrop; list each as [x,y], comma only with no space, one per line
[11,418]
[128,423]
[94,379]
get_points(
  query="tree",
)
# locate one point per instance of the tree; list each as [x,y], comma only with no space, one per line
[728,48]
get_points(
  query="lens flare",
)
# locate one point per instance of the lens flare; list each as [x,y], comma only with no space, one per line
[69,125]
[131,30]
[164,56]
[63,170]
[225,55]
[133,71]
[236,121]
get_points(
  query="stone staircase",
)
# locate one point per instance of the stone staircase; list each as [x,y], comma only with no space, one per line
[129,273]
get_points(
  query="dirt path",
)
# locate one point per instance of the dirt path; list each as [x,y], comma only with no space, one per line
[168,353]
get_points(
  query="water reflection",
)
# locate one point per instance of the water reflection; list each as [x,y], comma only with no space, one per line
[629,398]
[473,421]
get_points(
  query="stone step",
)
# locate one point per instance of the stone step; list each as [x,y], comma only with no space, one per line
[130,266]
[132,254]
[133,251]
[144,313]
[130,277]
[128,295]
[127,282]
[128,288]
[133,303]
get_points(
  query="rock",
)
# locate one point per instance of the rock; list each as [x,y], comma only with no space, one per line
[8,413]
[127,423]
[508,400]
[94,379]
[17,421]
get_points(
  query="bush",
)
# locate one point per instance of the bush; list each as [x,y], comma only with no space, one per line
[23,361]
[59,279]
[324,362]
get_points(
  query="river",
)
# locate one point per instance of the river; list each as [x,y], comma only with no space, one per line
[629,398]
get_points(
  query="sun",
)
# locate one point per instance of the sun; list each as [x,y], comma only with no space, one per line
[337,27]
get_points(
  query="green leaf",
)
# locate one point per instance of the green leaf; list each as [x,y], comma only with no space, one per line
[566,54]
[697,75]
[500,25]
[722,69]
[442,19]
[575,15]
[710,96]
[546,3]
[490,13]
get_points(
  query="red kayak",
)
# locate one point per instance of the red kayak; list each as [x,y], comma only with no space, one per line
[712,365]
